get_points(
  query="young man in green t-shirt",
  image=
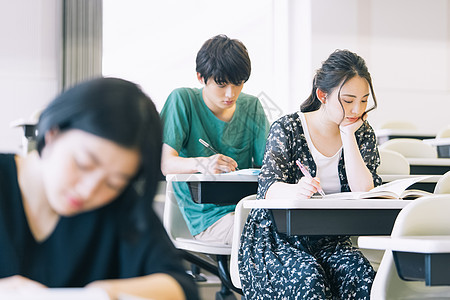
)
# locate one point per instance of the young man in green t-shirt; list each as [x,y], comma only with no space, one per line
[232,122]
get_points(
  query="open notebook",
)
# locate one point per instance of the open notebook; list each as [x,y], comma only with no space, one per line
[396,189]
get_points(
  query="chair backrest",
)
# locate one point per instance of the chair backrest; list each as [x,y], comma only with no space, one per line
[240,217]
[443,133]
[392,162]
[404,125]
[178,231]
[424,216]
[443,184]
[174,222]
[409,147]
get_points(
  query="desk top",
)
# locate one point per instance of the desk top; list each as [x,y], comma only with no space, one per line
[197,177]
[404,132]
[416,244]
[327,204]
[438,142]
[254,178]
[429,161]
[391,177]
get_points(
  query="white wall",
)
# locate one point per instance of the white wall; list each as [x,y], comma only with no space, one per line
[406,44]
[156,43]
[29,62]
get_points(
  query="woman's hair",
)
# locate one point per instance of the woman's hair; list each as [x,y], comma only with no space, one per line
[341,66]
[119,111]
[223,59]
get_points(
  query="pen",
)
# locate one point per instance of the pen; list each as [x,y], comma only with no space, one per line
[210,148]
[306,173]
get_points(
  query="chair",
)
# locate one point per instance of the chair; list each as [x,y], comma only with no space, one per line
[409,147]
[29,131]
[443,133]
[403,125]
[181,237]
[443,184]
[240,217]
[392,162]
[424,216]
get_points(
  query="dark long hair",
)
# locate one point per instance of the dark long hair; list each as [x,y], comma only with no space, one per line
[341,66]
[119,111]
[223,59]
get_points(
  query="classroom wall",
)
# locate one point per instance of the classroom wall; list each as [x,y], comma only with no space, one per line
[406,44]
[29,62]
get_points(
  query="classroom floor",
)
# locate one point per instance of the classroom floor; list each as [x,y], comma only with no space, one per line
[209,288]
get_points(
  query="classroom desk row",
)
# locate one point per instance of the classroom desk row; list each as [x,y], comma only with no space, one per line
[226,189]
[368,217]
[384,135]
[421,258]
[336,217]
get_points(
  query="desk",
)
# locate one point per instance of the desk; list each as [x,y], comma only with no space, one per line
[384,135]
[332,217]
[428,166]
[220,189]
[442,146]
[429,261]
[426,184]
[225,189]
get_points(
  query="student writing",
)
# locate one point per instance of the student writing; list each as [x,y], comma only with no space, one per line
[231,122]
[77,212]
[331,138]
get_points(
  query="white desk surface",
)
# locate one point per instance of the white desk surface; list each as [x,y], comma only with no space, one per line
[55,294]
[211,177]
[415,244]
[438,142]
[429,161]
[327,204]
[254,178]
[403,132]
[391,177]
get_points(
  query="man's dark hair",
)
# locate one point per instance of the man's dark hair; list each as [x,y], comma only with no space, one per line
[224,60]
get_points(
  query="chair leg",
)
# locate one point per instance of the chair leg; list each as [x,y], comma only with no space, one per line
[225,294]
[224,273]
[195,273]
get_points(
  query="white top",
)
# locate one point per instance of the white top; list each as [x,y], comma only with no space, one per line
[327,166]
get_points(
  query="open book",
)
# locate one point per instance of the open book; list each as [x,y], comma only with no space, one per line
[396,189]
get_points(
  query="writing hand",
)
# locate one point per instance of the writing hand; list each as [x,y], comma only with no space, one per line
[217,163]
[306,187]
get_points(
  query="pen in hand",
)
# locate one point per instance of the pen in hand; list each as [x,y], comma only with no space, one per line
[210,148]
[306,173]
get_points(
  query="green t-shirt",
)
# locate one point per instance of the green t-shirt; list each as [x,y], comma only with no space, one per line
[186,119]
